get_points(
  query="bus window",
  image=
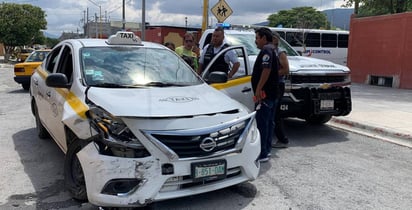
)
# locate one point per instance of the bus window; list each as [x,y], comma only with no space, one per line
[294,39]
[282,34]
[343,40]
[329,40]
[312,40]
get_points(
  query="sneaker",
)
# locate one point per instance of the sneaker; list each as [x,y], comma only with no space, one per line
[265,159]
[279,144]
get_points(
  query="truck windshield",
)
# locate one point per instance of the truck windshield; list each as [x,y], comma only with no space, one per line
[248,40]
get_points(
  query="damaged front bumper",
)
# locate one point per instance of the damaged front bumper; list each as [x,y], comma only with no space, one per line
[168,173]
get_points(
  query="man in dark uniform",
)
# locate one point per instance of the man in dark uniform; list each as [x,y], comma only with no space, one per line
[223,62]
[265,81]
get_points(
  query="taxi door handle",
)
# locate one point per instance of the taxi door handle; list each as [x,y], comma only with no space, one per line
[246,90]
[48,93]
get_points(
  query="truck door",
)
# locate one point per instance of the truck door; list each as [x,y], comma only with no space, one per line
[238,87]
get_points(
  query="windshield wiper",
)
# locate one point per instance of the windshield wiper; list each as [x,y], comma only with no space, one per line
[112,85]
[162,84]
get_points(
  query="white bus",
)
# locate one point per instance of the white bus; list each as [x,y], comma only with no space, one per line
[331,45]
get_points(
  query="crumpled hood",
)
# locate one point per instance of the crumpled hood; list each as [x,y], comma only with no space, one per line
[302,63]
[162,101]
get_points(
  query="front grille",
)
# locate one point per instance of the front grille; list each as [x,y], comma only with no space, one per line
[299,79]
[330,96]
[190,145]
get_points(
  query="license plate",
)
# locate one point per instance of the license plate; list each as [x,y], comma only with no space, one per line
[209,170]
[326,104]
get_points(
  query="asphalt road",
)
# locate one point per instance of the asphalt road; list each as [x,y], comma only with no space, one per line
[324,168]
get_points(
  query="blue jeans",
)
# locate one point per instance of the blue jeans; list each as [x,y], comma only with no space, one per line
[265,115]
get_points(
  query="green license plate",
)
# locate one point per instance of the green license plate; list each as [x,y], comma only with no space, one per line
[208,170]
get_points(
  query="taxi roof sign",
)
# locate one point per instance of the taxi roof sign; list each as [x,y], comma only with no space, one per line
[124,38]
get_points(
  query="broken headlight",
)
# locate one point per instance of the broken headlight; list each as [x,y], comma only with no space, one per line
[115,138]
[253,132]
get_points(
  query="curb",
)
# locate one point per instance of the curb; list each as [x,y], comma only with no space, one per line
[6,65]
[375,130]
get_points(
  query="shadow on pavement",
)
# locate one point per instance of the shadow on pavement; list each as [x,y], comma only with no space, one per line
[43,162]
[301,134]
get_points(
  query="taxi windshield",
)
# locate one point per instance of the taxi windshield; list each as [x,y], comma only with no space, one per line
[135,67]
[37,56]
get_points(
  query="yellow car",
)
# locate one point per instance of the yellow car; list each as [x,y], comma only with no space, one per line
[24,54]
[23,71]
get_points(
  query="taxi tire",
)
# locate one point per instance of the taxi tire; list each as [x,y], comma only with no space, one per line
[73,172]
[26,86]
[42,133]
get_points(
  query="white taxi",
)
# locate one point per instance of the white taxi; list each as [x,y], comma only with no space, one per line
[138,125]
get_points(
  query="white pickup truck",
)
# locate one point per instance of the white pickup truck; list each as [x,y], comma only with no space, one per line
[315,89]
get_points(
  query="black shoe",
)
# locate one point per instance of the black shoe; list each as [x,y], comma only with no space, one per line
[263,160]
[279,144]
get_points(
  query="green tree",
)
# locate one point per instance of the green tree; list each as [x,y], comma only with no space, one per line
[19,25]
[299,17]
[38,38]
[50,42]
[379,7]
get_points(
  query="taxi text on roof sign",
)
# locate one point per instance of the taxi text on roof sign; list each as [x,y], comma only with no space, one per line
[124,38]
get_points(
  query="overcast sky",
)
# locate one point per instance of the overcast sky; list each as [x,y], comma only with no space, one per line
[67,15]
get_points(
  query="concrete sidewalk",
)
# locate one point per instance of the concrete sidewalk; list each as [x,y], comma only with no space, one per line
[380,112]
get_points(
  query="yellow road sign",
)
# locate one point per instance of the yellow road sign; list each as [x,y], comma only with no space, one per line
[221,10]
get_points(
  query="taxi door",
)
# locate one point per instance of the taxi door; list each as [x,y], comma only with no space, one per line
[40,90]
[239,86]
[57,97]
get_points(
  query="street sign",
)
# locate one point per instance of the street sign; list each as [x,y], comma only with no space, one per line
[221,10]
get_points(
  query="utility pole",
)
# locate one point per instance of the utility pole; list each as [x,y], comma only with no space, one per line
[124,18]
[84,23]
[100,18]
[205,19]
[143,19]
[87,25]
[100,21]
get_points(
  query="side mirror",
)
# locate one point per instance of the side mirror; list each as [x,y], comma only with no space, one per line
[217,77]
[57,80]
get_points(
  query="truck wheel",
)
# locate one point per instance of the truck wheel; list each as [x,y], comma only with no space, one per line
[318,119]
[41,130]
[73,172]
[26,86]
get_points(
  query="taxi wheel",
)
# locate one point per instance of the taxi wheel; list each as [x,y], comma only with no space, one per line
[26,86]
[73,172]
[41,130]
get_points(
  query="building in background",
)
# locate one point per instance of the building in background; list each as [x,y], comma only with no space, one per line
[379,50]
[174,34]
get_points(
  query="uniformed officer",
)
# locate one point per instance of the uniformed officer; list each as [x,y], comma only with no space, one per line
[222,63]
[265,84]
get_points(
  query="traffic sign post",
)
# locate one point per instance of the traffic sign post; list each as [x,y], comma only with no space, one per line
[221,11]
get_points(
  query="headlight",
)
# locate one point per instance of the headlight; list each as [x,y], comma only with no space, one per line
[253,132]
[115,135]
[348,78]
